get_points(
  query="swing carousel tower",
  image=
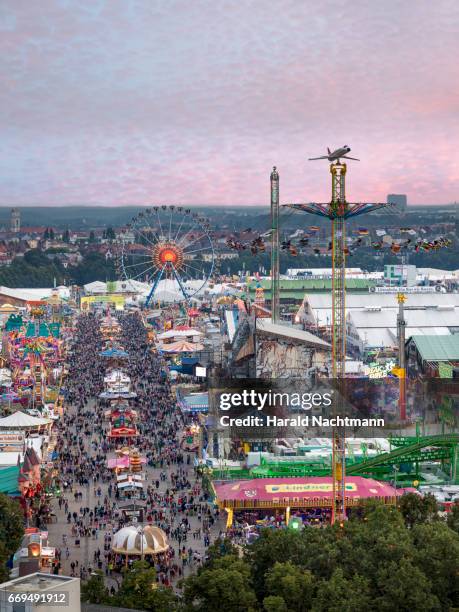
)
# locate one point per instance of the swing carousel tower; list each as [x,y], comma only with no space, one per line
[338,210]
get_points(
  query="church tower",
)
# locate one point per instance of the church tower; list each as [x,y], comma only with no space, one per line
[15,220]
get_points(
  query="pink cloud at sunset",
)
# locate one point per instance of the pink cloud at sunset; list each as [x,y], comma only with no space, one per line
[141,101]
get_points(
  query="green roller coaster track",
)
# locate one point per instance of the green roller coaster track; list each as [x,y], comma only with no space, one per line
[412,450]
[415,451]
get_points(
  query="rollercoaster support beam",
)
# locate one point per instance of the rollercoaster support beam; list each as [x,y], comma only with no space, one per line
[153,289]
[275,308]
[338,206]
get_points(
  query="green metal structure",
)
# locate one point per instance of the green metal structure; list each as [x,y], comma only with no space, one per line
[410,452]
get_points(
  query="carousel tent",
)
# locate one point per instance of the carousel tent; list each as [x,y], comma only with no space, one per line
[182,346]
[149,540]
[20,420]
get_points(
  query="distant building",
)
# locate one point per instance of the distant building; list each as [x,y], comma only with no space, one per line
[15,220]
[400,275]
[399,199]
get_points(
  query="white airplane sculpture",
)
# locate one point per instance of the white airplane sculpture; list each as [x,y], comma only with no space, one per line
[336,155]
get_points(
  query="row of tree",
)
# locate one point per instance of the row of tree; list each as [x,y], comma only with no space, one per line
[35,269]
[382,559]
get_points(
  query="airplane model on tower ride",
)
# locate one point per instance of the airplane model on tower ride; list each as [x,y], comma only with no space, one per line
[336,155]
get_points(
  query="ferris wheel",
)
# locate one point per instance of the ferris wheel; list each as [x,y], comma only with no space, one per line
[170,248]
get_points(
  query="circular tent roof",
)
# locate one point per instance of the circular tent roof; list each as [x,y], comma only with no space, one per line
[131,541]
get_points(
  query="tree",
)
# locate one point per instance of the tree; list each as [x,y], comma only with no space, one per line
[453,518]
[94,590]
[437,556]
[66,236]
[274,603]
[343,595]
[292,584]
[46,234]
[92,237]
[110,234]
[226,586]
[11,531]
[93,267]
[219,549]
[288,546]
[140,589]
[403,587]
[51,233]
[418,509]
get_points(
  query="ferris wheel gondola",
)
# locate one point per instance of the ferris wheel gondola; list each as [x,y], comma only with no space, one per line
[170,248]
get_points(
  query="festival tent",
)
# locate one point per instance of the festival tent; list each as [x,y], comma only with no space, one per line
[178,333]
[20,420]
[299,492]
[182,346]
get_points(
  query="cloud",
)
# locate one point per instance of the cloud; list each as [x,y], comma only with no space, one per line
[129,102]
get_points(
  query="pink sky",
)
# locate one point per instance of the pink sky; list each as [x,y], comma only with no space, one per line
[151,101]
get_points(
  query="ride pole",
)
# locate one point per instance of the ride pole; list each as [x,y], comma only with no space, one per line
[401,371]
[338,209]
[275,246]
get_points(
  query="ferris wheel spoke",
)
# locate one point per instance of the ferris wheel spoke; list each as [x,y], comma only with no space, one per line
[146,237]
[159,222]
[180,226]
[182,240]
[143,272]
[137,264]
[206,248]
[170,223]
[204,235]
[193,268]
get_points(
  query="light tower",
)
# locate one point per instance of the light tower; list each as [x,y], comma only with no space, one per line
[275,246]
[337,211]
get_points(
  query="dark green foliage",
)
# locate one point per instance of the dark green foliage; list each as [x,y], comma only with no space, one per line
[379,560]
[11,531]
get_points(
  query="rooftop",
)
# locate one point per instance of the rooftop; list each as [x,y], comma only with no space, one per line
[36,582]
[291,333]
[437,348]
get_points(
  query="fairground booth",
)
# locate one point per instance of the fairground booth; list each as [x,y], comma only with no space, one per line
[275,500]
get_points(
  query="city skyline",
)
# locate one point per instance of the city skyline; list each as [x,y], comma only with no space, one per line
[126,103]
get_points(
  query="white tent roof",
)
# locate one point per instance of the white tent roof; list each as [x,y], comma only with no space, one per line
[177,333]
[20,420]
[34,293]
[140,540]
[128,483]
[318,301]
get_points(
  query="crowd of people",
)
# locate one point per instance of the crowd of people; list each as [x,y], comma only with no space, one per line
[89,510]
